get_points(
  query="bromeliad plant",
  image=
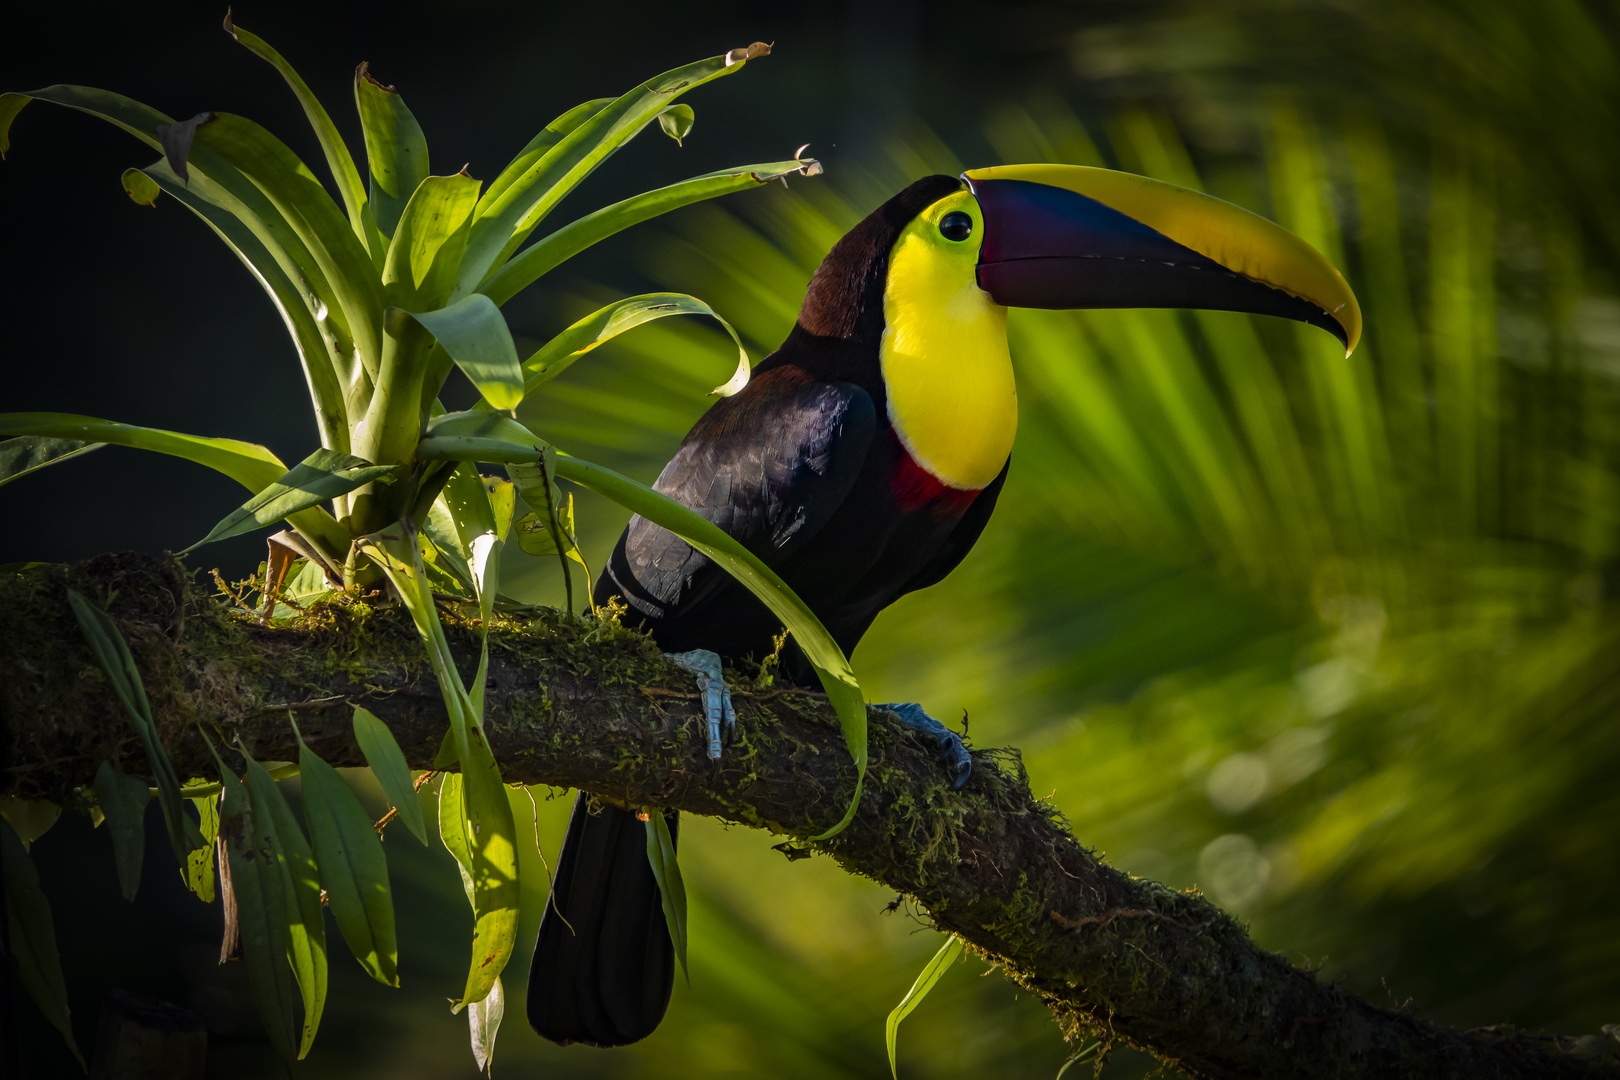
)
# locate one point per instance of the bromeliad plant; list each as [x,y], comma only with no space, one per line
[383,296]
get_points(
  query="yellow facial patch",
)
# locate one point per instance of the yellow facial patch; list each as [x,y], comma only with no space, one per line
[944,352]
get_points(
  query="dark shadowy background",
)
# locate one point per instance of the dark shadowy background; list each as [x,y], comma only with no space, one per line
[1333,641]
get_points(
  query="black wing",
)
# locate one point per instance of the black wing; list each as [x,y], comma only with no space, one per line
[769,467]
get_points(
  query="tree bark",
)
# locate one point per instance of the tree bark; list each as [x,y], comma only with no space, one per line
[577,702]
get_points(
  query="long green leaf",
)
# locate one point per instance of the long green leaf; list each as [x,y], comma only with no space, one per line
[123,800]
[395,147]
[429,241]
[671,888]
[545,254]
[338,382]
[31,936]
[338,158]
[276,831]
[621,316]
[931,974]
[506,221]
[200,861]
[453,831]
[262,914]
[299,198]
[352,866]
[824,654]
[112,653]
[485,815]
[388,765]
[31,453]
[249,464]
[549,136]
[322,476]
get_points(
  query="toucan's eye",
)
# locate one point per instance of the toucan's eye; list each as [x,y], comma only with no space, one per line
[956,226]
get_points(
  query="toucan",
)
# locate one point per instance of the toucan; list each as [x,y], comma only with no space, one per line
[863,460]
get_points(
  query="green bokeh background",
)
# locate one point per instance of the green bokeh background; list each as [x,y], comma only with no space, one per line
[1333,640]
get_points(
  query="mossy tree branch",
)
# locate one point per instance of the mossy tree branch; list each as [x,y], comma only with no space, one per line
[579,703]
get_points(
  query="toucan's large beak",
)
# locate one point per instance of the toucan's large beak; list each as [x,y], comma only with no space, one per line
[1067,236]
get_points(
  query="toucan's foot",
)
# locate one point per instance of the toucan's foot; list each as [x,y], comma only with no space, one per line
[947,743]
[716,695]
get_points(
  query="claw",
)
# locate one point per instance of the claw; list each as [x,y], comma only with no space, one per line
[947,743]
[716,694]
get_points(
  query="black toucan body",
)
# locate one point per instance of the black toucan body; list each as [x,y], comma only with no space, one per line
[863,460]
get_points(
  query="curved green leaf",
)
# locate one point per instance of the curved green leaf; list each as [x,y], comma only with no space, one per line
[395,147]
[824,654]
[549,136]
[671,888]
[249,464]
[139,120]
[338,158]
[388,765]
[123,800]
[112,653]
[931,974]
[31,936]
[352,866]
[429,240]
[31,818]
[607,323]
[322,476]
[140,188]
[31,453]
[550,251]
[277,835]
[506,221]
[677,122]
[306,207]
[262,914]
[474,332]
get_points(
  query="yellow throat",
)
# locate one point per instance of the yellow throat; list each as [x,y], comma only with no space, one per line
[944,353]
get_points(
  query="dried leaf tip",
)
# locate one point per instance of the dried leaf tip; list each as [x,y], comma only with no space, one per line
[464,172]
[754,51]
[364,72]
[807,166]
[230,27]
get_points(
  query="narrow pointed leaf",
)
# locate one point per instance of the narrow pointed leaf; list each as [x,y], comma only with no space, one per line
[550,251]
[112,653]
[31,453]
[249,464]
[475,334]
[262,913]
[200,861]
[506,221]
[470,448]
[549,136]
[395,147]
[123,800]
[484,1023]
[30,818]
[453,831]
[824,653]
[607,323]
[931,974]
[31,936]
[352,866]
[338,158]
[671,888]
[141,189]
[289,860]
[388,765]
[321,477]
[484,817]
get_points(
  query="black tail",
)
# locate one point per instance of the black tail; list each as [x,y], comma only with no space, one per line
[603,964]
